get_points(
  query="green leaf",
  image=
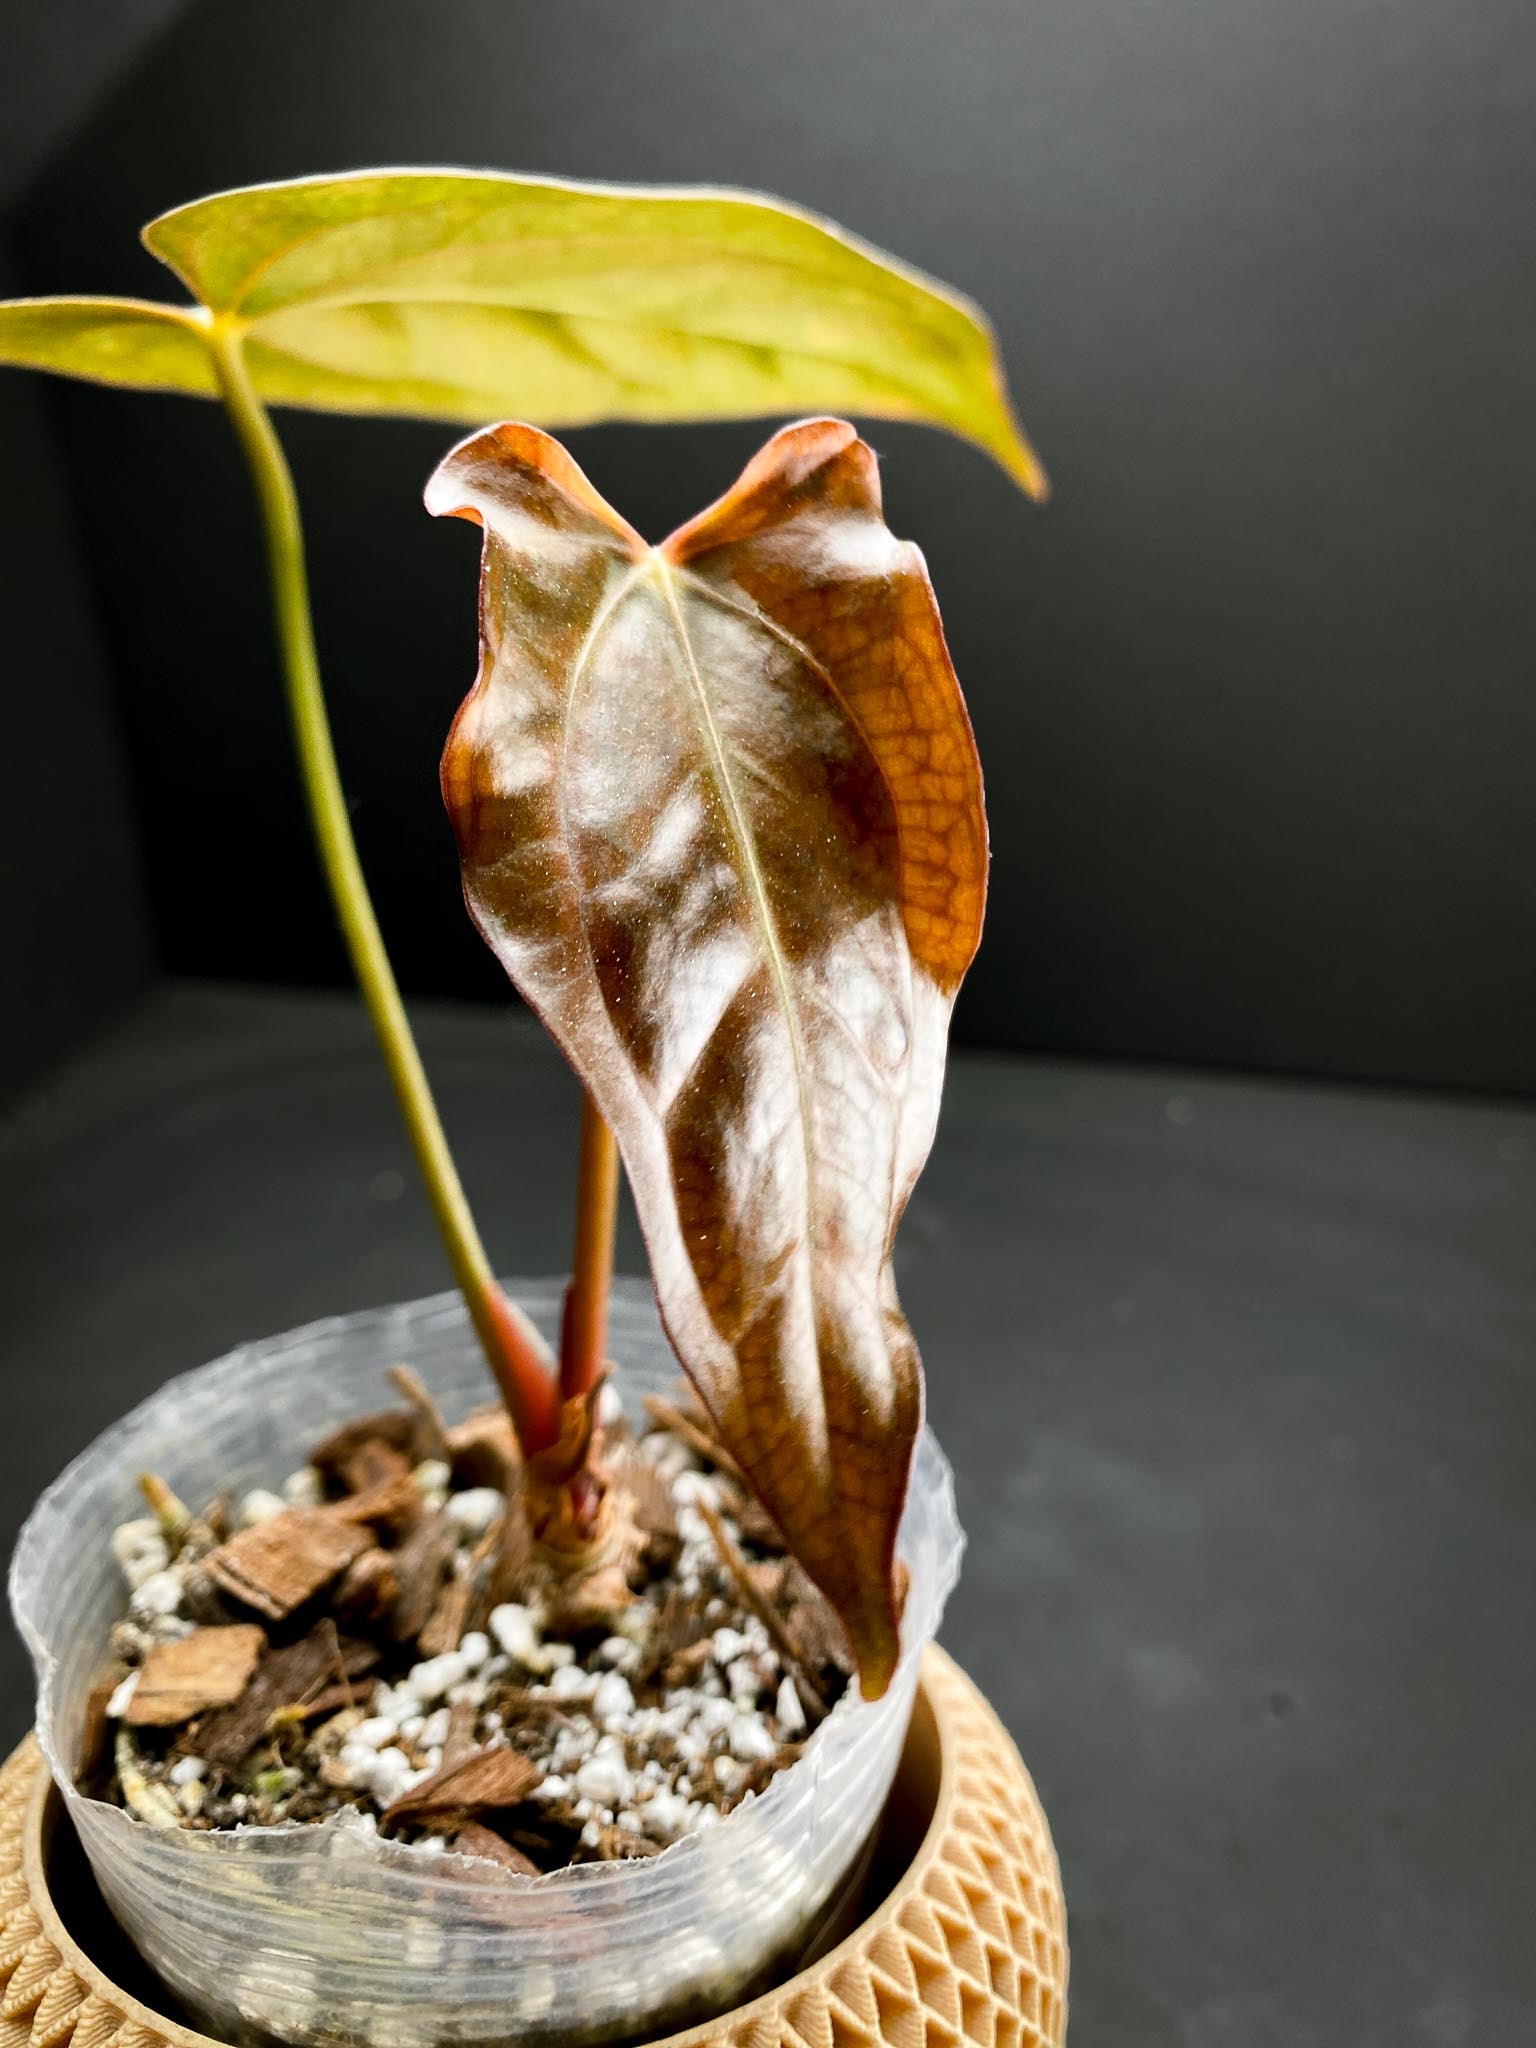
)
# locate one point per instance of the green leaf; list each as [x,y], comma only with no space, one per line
[110,341]
[470,296]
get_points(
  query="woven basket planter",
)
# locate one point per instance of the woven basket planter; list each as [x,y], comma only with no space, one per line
[967,1945]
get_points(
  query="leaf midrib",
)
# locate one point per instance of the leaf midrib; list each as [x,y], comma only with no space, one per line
[720,769]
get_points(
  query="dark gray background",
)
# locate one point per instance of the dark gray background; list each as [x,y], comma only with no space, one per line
[1254,695]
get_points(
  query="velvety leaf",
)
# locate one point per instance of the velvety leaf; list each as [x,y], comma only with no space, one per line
[720,817]
[460,296]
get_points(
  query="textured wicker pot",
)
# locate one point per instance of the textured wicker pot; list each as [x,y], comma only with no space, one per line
[962,1939]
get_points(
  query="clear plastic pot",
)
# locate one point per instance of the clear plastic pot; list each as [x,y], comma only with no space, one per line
[323,1933]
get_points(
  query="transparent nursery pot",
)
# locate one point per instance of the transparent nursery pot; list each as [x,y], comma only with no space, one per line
[322,1932]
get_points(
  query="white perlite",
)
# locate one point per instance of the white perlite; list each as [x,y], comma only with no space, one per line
[604,1778]
[433,1732]
[620,1653]
[788,1711]
[613,1699]
[432,1475]
[159,1594]
[304,1488]
[749,1740]
[473,1511]
[375,1731]
[597,1753]
[117,1706]
[570,1682]
[513,1627]
[666,1816]
[140,1550]
[436,1676]
[391,1775]
[259,1506]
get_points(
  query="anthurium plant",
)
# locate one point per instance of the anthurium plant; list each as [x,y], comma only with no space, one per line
[717,801]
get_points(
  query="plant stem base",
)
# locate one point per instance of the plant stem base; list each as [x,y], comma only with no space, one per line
[960,1941]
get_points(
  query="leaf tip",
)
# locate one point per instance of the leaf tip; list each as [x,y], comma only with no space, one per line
[877,1649]
[1012,448]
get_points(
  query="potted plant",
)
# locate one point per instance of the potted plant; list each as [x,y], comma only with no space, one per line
[568,1718]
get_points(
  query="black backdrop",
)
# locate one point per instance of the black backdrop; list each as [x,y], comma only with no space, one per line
[1254,694]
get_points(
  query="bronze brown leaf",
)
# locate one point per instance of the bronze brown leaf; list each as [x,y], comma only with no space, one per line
[719,816]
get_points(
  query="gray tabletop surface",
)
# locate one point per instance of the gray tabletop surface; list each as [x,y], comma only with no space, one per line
[1236,1376]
